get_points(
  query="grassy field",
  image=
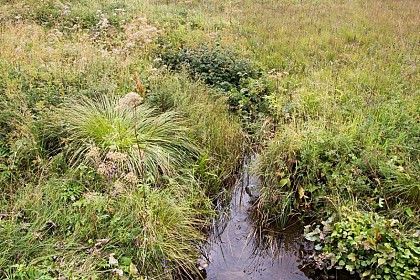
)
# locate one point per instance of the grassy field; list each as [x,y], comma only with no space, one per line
[97,183]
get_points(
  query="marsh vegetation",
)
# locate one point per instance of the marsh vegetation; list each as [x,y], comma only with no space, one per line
[123,122]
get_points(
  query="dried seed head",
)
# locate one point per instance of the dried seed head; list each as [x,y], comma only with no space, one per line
[116,156]
[131,178]
[93,152]
[118,188]
[130,100]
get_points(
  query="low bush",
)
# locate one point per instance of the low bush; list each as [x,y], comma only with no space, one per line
[239,79]
[366,244]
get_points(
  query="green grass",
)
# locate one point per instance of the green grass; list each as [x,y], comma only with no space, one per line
[129,139]
[340,124]
[57,237]
[221,133]
[62,214]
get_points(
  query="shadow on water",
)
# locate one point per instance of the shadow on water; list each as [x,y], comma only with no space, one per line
[238,250]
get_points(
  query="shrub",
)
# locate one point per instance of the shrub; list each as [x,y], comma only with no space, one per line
[217,66]
[367,244]
[239,79]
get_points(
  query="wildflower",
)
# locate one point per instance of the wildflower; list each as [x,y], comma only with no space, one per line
[93,152]
[112,261]
[131,178]
[116,156]
[164,265]
[130,100]
[103,23]
[102,169]
[138,33]
[118,272]
[112,171]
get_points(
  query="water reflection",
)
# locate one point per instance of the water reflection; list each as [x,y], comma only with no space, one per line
[239,250]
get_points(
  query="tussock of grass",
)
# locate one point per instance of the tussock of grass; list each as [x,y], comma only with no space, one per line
[154,145]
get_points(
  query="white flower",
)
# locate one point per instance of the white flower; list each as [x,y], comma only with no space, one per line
[118,272]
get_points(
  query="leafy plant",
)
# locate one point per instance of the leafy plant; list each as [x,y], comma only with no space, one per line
[239,79]
[216,65]
[367,244]
[321,162]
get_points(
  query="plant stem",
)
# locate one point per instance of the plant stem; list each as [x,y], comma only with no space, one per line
[139,151]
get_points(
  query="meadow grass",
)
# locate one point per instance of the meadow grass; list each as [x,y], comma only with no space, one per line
[345,99]
[341,128]
[63,213]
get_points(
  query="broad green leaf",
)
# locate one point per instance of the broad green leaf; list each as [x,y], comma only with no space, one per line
[350,267]
[352,257]
[366,273]
[283,182]
[381,261]
[125,260]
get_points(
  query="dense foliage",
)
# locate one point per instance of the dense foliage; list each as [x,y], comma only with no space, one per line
[239,79]
[367,244]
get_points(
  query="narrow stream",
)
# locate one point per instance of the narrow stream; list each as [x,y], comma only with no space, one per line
[235,252]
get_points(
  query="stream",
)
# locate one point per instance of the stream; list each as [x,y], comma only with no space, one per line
[235,251]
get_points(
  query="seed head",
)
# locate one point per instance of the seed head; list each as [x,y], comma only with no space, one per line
[116,156]
[131,178]
[130,100]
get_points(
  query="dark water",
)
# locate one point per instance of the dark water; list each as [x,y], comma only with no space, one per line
[237,251]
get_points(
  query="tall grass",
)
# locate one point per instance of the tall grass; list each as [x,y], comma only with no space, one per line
[65,211]
[154,144]
[45,236]
[346,98]
[344,103]
[209,119]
